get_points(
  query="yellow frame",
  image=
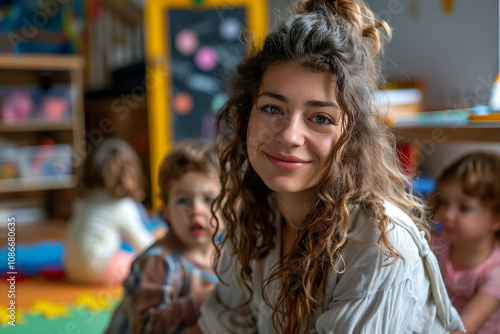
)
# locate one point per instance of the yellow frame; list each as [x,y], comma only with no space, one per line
[157,62]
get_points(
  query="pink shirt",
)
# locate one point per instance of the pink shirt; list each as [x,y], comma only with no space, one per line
[462,285]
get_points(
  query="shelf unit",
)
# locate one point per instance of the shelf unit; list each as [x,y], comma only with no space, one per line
[466,131]
[44,70]
[424,137]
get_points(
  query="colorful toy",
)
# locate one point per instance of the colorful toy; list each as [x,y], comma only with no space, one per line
[54,108]
[17,106]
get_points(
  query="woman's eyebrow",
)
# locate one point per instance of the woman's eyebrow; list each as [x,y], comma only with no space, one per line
[312,103]
[274,96]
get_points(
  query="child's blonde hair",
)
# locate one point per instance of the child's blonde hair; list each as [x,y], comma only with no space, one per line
[115,167]
[188,155]
[479,176]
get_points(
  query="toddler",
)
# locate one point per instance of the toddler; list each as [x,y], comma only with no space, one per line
[467,204]
[169,282]
[107,213]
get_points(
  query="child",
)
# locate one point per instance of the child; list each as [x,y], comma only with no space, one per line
[107,213]
[322,240]
[467,205]
[168,283]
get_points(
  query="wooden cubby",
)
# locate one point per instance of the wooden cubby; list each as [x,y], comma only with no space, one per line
[67,133]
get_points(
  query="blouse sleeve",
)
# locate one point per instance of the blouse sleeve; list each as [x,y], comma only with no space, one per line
[378,295]
[220,312]
[370,297]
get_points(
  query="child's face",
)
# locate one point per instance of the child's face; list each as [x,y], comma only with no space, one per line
[464,219]
[293,127]
[188,209]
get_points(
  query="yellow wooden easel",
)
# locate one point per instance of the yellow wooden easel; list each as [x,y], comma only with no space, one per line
[158,57]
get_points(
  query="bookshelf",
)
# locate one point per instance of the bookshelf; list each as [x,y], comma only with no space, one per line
[41,128]
[466,131]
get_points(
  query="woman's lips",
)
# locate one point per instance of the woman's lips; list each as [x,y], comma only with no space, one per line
[288,163]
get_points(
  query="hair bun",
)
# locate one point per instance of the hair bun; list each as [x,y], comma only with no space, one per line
[304,6]
[356,14]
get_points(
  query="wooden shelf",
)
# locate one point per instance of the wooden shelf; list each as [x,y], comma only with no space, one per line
[28,126]
[33,70]
[48,62]
[440,133]
[18,185]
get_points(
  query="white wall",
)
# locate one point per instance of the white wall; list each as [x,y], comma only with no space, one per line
[455,55]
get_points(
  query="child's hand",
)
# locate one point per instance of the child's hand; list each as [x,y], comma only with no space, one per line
[200,290]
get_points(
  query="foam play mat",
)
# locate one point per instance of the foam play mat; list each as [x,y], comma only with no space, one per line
[45,303]
[48,306]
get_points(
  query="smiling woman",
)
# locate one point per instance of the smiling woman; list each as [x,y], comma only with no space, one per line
[293,128]
[321,234]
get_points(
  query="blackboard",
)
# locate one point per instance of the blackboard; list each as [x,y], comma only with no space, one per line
[191,47]
[205,46]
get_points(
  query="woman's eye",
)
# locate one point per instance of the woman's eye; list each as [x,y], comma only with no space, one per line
[209,199]
[271,110]
[320,119]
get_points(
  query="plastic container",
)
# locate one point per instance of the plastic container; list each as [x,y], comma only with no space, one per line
[49,163]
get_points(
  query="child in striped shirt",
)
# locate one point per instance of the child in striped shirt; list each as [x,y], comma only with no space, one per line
[171,279]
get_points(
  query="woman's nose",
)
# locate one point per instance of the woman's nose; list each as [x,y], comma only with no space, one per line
[292,131]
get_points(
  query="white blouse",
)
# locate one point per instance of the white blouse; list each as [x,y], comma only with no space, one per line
[405,297]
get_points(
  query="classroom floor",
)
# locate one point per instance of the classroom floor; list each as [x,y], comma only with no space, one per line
[56,306]
[47,305]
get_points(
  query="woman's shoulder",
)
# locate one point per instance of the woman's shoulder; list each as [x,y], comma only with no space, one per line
[402,232]
[364,224]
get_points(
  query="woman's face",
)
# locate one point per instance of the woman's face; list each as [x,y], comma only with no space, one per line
[293,127]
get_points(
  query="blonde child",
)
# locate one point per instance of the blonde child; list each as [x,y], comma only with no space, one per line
[106,214]
[467,205]
[325,238]
[168,283]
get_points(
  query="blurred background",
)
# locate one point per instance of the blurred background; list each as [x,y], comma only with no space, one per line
[74,72]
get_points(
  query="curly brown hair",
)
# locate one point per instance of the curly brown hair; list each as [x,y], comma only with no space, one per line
[115,167]
[341,37]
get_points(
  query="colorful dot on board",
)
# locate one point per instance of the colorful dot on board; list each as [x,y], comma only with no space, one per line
[218,102]
[186,42]
[230,29]
[206,59]
[183,103]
